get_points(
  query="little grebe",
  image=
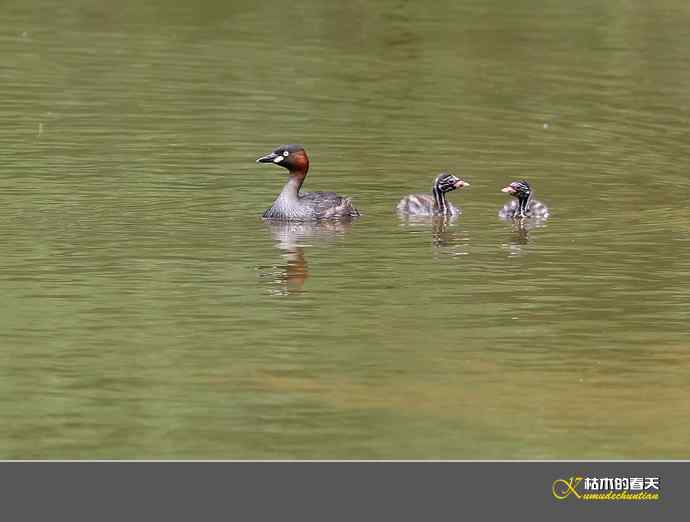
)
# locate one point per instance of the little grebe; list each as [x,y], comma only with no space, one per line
[524,205]
[434,204]
[290,205]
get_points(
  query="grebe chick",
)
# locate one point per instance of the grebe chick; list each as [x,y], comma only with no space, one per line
[434,204]
[524,205]
[290,205]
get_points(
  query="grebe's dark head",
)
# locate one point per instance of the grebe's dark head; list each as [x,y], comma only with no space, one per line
[519,189]
[292,157]
[445,182]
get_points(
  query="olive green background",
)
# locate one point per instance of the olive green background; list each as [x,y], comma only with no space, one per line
[147,312]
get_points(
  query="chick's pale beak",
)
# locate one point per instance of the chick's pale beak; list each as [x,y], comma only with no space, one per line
[461,183]
[508,190]
[270,158]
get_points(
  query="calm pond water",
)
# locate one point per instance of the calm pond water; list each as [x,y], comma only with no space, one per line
[147,311]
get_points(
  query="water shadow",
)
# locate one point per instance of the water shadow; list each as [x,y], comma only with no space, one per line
[444,236]
[292,239]
[520,237]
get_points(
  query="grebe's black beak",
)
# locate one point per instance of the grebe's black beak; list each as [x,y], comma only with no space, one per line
[270,158]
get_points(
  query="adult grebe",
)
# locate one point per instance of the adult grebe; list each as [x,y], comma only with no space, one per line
[290,205]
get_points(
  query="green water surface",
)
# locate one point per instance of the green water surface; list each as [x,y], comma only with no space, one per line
[146,311]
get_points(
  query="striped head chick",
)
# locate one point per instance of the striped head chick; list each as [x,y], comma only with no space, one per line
[434,204]
[524,205]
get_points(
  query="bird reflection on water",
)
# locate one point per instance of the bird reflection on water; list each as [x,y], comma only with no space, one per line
[444,236]
[293,238]
[520,236]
